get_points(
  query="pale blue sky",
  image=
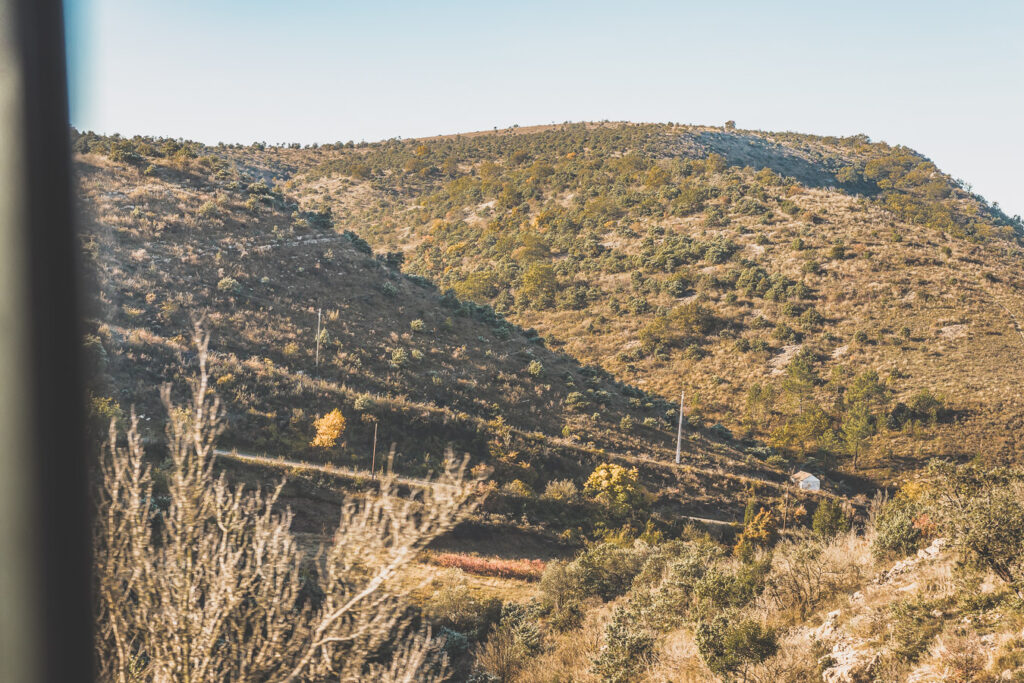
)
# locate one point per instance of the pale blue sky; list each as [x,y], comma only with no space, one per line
[946,78]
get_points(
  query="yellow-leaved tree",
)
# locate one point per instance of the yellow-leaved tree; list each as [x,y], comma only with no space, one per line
[328,429]
[620,492]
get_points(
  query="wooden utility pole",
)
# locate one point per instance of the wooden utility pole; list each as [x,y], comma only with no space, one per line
[318,311]
[679,434]
[373,460]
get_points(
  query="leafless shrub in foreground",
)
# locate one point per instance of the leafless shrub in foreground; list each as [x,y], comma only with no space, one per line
[207,584]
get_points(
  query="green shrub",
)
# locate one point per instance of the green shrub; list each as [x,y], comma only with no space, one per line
[208,209]
[399,357]
[568,616]
[575,400]
[981,511]
[535,368]
[731,648]
[829,519]
[456,607]
[912,626]
[417,325]
[627,649]
[721,588]
[811,318]
[927,407]
[895,533]
[513,641]
[784,333]
[605,570]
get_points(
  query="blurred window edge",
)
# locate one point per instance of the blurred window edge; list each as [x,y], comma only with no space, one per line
[45,613]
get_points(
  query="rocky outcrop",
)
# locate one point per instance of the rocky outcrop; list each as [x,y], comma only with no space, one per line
[850,660]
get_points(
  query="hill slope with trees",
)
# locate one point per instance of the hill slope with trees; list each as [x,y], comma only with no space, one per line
[535,298]
[328,354]
[757,270]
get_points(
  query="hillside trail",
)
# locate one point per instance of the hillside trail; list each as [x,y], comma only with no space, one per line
[356,474]
[350,473]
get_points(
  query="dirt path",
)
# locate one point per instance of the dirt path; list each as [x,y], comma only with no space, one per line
[331,470]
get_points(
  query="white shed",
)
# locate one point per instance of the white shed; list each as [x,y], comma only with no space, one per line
[806,481]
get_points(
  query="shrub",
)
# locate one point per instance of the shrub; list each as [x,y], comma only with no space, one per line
[417,325]
[677,285]
[229,285]
[829,519]
[895,533]
[575,400]
[535,368]
[568,616]
[208,210]
[618,491]
[927,407]
[453,605]
[721,431]
[399,357]
[980,510]
[912,626]
[357,242]
[605,570]
[363,403]
[515,639]
[809,571]
[692,318]
[517,488]
[626,424]
[562,490]
[626,651]
[784,333]
[719,588]
[811,318]
[714,217]
[730,648]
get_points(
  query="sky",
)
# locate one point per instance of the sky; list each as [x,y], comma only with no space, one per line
[944,78]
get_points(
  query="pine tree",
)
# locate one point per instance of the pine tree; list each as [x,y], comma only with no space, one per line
[857,427]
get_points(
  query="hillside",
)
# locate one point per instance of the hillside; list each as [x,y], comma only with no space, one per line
[841,300]
[705,258]
[421,370]
[535,299]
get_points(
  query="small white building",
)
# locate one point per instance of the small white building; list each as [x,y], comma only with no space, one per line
[806,481]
